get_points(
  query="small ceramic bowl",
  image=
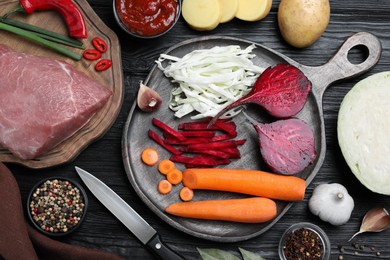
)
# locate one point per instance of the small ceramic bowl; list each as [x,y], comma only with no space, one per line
[297,236]
[139,36]
[57,206]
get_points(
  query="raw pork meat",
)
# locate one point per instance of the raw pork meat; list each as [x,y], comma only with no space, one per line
[43,102]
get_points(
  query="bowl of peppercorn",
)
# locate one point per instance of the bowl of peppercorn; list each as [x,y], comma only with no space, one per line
[57,206]
[304,241]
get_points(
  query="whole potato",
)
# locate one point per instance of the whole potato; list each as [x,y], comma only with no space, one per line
[302,22]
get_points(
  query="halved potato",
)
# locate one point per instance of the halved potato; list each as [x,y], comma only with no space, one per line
[253,10]
[228,9]
[201,15]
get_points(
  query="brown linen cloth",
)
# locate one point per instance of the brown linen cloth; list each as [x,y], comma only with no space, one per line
[20,241]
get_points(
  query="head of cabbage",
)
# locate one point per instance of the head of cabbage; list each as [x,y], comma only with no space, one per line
[363,130]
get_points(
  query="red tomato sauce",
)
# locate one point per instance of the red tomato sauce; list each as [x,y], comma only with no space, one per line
[147,17]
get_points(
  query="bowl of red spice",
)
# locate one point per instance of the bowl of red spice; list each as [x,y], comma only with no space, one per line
[304,241]
[57,206]
[146,19]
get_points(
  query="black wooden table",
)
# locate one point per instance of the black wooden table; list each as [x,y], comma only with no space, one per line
[104,157]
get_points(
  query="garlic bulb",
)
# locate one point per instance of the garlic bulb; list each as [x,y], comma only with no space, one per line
[332,203]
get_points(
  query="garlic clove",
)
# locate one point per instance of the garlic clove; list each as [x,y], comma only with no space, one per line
[375,220]
[148,100]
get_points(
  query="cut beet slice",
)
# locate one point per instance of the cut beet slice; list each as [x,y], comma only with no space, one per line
[287,146]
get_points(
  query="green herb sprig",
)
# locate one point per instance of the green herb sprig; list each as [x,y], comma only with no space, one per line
[42,36]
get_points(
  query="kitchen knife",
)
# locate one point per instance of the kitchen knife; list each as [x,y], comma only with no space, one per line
[128,216]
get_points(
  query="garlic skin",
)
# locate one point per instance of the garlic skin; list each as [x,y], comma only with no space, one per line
[148,100]
[332,203]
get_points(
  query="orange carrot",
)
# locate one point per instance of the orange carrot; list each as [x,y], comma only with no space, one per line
[252,182]
[247,210]
[166,166]
[175,176]
[186,194]
[164,187]
[149,156]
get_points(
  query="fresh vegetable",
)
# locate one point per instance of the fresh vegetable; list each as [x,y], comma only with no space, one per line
[228,10]
[201,15]
[158,139]
[332,203]
[206,147]
[281,90]
[149,156]
[301,23]
[209,79]
[251,182]
[247,210]
[186,194]
[164,187]
[166,166]
[375,220]
[92,54]
[287,146]
[43,33]
[253,10]
[99,44]
[148,100]
[168,129]
[34,37]
[363,131]
[69,11]
[103,64]
[175,176]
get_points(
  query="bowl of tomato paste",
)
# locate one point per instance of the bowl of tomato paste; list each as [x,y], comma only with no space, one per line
[147,18]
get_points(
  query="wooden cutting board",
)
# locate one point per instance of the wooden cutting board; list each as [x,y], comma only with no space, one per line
[111,78]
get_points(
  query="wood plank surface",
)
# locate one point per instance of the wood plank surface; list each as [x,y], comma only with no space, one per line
[104,157]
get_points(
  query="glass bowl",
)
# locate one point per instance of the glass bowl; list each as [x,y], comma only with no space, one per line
[139,36]
[57,206]
[299,238]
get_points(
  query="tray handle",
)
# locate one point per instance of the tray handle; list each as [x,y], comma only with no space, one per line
[339,67]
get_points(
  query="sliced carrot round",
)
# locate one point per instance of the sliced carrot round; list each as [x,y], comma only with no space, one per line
[166,166]
[164,187]
[175,176]
[149,156]
[186,194]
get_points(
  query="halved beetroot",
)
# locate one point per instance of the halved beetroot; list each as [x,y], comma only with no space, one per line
[281,90]
[287,145]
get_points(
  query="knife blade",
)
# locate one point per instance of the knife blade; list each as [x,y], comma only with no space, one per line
[127,215]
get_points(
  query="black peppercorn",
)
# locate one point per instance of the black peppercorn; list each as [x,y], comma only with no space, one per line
[303,244]
[51,206]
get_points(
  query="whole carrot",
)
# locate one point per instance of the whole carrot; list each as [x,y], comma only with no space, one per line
[247,210]
[252,182]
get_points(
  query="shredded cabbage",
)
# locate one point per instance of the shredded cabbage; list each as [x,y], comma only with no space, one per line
[210,79]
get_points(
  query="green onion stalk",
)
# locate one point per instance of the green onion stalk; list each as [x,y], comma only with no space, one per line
[38,38]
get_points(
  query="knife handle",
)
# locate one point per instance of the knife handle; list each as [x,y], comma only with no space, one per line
[161,250]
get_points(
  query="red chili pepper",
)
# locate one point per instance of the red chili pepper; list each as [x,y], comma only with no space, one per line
[99,44]
[69,11]
[92,54]
[103,64]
